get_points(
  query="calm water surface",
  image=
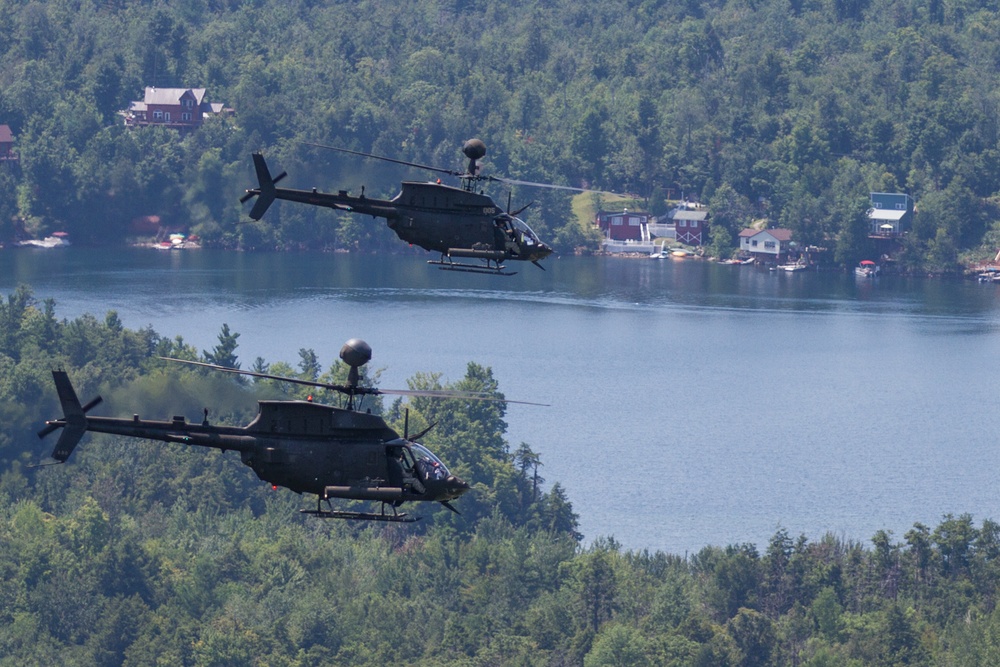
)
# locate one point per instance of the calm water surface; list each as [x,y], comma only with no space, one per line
[692,403]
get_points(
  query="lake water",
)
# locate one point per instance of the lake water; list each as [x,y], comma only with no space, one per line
[691,403]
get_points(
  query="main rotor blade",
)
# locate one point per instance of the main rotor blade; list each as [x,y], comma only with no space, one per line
[462,174]
[239,371]
[422,433]
[520,210]
[454,395]
[359,391]
[551,186]
[450,172]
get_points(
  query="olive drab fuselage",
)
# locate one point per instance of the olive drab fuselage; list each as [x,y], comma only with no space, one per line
[440,218]
[300,445]
[456,222]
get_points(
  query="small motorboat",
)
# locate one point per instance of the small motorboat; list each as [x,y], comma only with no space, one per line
[866,269]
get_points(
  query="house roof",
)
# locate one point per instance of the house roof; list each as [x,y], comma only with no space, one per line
[6,136]
[690,215]
[610,213]
[779,233]
[172,95]
[886,214]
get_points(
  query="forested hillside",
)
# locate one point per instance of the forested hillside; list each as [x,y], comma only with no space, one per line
[790,109]
[142,553]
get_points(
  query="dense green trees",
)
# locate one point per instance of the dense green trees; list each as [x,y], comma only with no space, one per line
[144,553]
[799,110]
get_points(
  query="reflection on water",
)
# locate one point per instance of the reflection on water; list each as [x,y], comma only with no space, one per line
[692,403]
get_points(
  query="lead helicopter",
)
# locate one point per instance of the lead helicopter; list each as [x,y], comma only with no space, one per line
[457,222]
[333,452]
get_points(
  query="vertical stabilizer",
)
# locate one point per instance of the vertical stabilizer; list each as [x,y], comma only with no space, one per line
[74,421]
[266,185]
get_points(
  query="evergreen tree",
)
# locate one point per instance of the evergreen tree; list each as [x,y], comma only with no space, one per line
[224,354]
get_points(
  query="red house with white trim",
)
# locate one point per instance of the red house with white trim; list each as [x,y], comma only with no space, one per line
[624,225]
[7,143]
[690,225]
[178,108]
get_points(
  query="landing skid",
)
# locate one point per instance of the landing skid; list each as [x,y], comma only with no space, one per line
[492,267]
[361,516]
[321,513]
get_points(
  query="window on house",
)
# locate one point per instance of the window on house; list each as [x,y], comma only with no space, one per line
[754,243]
[682,223]
[186,115]
[157,115]
[166,116]
[769,245]
[617,220]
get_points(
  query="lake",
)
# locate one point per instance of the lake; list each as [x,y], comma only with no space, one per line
[692,404]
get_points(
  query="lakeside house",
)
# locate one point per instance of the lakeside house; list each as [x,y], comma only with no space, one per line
[690,222]
[7,144]
[767,246]
[624,225]
[625,231]
[890,215]
[179,108]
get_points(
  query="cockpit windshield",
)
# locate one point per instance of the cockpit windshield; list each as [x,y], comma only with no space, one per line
[530,238]
[429,465]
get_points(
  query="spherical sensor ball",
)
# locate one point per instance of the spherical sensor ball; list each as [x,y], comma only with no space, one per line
[356,352]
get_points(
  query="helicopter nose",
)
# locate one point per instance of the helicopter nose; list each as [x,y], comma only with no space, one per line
[541,252]
[456,486]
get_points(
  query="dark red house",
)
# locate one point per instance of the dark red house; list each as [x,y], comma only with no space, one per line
[179,108]
[690,225]
[7,143]
[624,225]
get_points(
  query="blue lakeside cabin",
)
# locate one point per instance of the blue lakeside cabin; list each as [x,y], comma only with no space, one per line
[891,214]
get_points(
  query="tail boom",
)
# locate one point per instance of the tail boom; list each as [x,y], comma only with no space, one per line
[266,193]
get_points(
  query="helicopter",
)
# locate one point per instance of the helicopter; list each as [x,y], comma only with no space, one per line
[308,447]
[457,222]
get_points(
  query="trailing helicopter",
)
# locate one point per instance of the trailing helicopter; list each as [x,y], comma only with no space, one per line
[307,447]
[457,222]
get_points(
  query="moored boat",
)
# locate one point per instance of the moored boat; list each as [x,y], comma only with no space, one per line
[866,269]
[795,266]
